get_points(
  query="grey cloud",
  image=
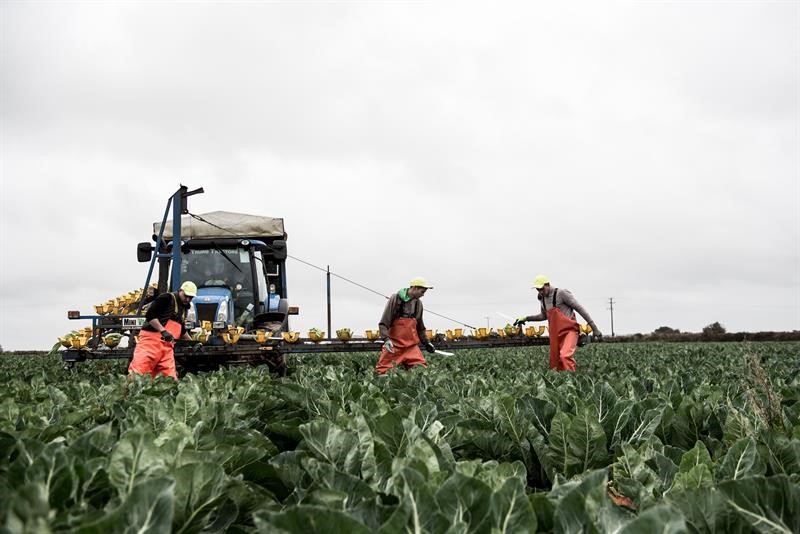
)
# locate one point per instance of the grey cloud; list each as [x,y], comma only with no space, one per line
[644,151]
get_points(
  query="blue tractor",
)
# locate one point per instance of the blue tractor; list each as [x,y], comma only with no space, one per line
[238,264]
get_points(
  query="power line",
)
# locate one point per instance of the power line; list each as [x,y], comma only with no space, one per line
[372,290]
[337,276]
[329,272]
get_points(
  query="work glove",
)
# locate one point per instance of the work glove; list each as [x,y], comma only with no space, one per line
[166,336]
[520,321]
[597,333]
[388,345]
[429,347]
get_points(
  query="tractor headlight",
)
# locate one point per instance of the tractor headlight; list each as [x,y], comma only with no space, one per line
[191,315]
[222,312]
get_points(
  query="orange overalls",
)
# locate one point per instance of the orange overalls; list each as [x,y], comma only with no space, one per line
[153,355]
[405,342]
[564,334]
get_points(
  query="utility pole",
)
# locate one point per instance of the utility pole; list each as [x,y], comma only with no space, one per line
[487,321]
[611,307]
[328,277]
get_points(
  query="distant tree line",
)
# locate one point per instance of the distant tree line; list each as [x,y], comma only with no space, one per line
[715,331]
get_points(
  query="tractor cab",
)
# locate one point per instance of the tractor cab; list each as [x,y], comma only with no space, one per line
[237,262]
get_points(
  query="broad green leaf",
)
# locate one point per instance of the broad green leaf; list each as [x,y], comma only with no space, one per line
[96,442]
[510,509]
[334,445]
[544,509]
[135,458]
[707,511]
[199,492]
[366,449]
[586,507]
[617,421]
[27,509]
[742,460]
[781,453]
[186,407]
[173,440]
[633,477]
[559,446]
[587,443]
[698,476]
[389,429]
[663,518]
[147,508]
[55,469]
[418,510]
[698,455]
[238,449]
[768,504]
[465,499]
[646,426]
[308,519]
[9,413]
[688,425]
[492,473]
[355,490]
[737,425]
[605,398]
[289,469]
[538,411]
[666,470]
[7,444]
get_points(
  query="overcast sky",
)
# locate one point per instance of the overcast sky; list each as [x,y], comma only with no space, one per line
[645,151]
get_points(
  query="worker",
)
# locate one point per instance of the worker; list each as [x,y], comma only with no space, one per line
[402,329]
[558,308]
[154,352]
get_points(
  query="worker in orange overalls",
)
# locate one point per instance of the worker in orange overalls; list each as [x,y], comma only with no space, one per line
[402,329]
[558,308]
[154,352]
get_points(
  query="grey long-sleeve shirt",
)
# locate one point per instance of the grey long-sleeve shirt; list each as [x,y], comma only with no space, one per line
[410,308]
[564,301]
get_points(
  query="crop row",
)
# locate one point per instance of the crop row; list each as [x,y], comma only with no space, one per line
[700,437]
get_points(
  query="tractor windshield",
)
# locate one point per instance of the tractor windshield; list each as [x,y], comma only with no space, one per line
[226,267]
[218,267]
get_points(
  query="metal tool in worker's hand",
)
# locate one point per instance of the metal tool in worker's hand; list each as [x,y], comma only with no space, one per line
[504,316]
[443,353]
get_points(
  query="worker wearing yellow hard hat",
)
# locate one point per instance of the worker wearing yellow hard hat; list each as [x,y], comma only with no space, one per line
[558,307]
[402,328]
[165,318]
[540,281]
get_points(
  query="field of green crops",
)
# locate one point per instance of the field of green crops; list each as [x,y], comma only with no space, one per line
[643,438]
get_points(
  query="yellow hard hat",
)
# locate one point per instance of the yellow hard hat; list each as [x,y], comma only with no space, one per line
[540,281]
[189,289]
[419,282]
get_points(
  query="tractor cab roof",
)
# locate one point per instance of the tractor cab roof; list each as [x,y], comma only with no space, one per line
[225,224]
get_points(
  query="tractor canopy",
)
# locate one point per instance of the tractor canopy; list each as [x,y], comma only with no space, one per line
[225,224]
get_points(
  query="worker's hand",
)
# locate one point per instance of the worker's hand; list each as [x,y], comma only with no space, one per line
[520,321]
[597,334]
[166,336]
[388,345]
[429,347]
